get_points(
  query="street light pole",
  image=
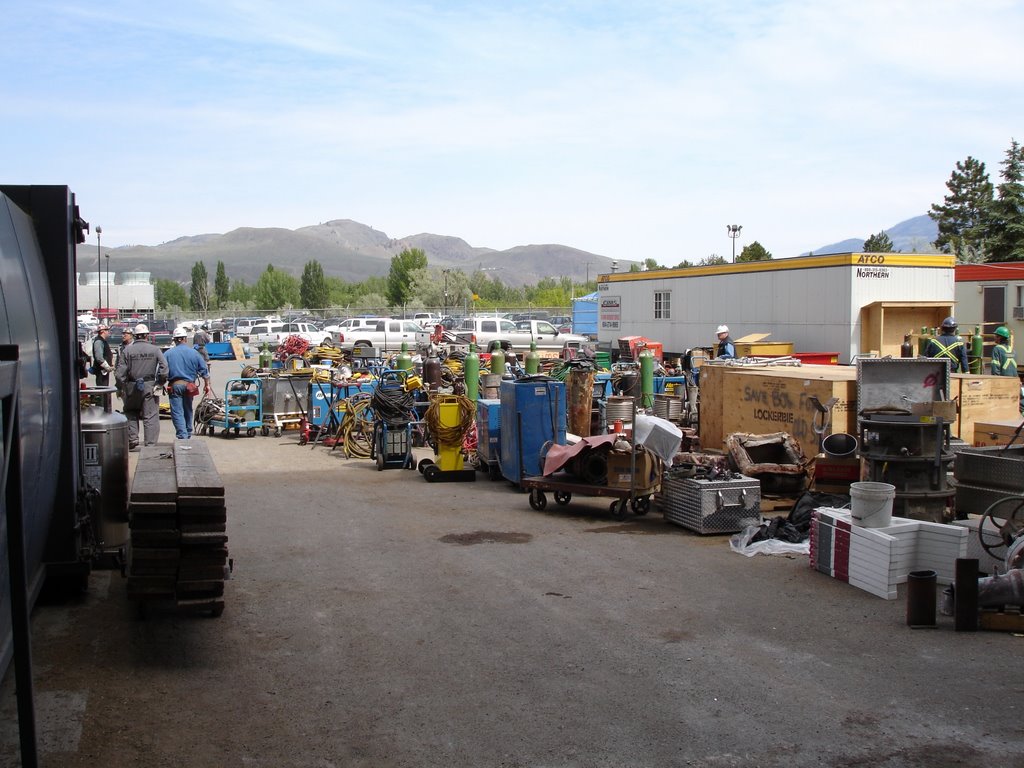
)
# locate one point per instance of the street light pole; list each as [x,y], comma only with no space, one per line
[99,269]
[108,280]
[733,230]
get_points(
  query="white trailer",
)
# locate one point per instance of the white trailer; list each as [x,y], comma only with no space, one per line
[848,303]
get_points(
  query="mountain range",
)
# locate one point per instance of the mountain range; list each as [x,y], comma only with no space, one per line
[354,252]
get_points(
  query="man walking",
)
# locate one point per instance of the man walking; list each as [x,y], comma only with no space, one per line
[184,366]
[140,368]
[102,356]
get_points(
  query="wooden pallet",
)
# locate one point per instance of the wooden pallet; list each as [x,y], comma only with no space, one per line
[1009,619]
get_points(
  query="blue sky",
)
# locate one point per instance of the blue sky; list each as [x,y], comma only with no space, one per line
[629,129]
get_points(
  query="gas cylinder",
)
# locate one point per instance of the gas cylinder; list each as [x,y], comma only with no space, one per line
[266,358]
[498,362]
[105,467]
[532,360]
[647,379]
[471,370]
[432,372]
[906,348]
[404,358]
[977,350]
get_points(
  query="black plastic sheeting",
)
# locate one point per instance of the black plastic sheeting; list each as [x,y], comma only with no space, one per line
[796,527]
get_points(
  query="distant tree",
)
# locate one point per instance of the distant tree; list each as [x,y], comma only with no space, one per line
[879,243]
[754,252]
[684,264]
[199,300]
[275,290]
[313,291]
[371,301]
[1006,212]
[712,261]
[651,264]
[962,219]
[241,292]
[168,294]
[399,280]
[221,286]
[634,267]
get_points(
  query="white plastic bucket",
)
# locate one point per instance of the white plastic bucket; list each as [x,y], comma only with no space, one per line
[871,504]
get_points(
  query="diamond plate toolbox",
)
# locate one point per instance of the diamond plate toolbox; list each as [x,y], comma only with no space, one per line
[711,506]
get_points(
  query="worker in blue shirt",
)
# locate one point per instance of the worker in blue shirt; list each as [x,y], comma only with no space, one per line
[184,366]
[948,345]
[726,349]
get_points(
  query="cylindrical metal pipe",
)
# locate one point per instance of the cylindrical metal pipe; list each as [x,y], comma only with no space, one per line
[921,599]
[965,598]
[1008,589]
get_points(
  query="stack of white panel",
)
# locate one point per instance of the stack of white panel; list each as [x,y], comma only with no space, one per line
[877,559]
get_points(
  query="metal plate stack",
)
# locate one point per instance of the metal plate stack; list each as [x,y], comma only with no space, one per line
[710,506]
[986,475]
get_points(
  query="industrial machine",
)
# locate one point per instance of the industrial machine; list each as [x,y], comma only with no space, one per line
[243,407]
[532,414]
[48,499]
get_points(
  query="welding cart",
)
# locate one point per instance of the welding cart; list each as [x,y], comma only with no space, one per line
[243,408]
[392,406]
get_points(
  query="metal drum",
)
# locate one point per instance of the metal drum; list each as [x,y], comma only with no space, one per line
[105,468]
[618,408]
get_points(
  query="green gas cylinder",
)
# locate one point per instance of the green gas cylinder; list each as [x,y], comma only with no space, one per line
[266,358]
[977,351]
[404,358]
[471,371]
[647,379]
[498,362]
[532,360]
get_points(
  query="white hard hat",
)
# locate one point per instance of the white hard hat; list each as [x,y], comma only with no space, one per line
[722,329]
[141,329]
[179,332]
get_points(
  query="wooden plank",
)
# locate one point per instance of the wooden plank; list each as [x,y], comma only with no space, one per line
[237,347]
[201,502]
[1010,620]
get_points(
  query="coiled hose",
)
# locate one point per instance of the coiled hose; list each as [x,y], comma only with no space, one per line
[356,428]
[453,435]
[209,409]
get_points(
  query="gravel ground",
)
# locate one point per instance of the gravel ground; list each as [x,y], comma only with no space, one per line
[374,619]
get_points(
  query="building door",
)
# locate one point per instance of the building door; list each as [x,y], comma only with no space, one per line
[994,309]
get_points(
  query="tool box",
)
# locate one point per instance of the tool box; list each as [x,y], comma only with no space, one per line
[710,506]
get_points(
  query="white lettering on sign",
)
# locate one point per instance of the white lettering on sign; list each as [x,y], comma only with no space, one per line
[873,272]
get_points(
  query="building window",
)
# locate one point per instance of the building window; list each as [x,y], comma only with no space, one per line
[662,305]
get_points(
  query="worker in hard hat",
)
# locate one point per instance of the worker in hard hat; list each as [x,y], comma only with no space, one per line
[1004,360]
[184,365]
[140,368]
[949,346]
[726,349]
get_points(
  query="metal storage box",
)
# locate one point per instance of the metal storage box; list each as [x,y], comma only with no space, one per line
[532,414]
[286,395]
[488,427]
[711,506]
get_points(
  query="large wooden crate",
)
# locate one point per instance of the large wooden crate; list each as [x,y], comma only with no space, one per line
[767,399]
[983,399]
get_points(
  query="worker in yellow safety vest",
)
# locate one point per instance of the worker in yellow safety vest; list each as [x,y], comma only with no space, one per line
[1004,361]
[949,345]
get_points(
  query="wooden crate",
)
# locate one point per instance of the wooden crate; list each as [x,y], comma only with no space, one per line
[766,399]
[983,399]
[883,324]
[996,432]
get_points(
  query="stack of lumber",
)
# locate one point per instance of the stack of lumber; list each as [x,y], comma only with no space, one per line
[178,521]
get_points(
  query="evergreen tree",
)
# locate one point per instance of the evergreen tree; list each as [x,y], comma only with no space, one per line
[400,275]
[880,243]
[1006,212]
[963,216]
[169,294]
[275,290]
[199,299]
[313,291]
[221,286]
[754,252]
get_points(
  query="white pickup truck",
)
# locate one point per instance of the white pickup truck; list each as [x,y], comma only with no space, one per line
[387,335]
[483,330]
[275,333]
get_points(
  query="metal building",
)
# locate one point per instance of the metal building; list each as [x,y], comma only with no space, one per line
[843,303]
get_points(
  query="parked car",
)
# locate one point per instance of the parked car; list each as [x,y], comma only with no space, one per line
[483,330]
[160,332]
[275,333]
[387,335]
